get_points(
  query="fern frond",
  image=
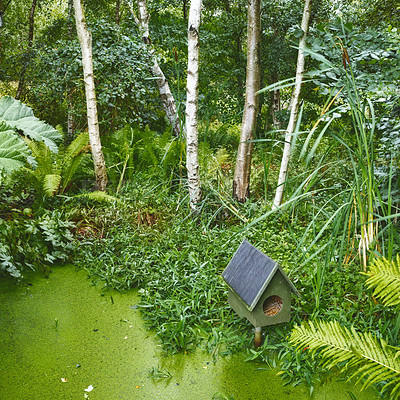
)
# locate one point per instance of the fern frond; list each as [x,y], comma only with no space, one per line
[384,275]
[77,146]
[51,184]
[70,170]
[361,354]
[42,155]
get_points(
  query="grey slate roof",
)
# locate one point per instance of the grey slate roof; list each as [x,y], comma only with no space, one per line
[249,273]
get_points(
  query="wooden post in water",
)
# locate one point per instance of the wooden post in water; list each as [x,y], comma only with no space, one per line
[257,336]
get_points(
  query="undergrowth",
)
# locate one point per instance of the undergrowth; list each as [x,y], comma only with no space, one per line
[176,262]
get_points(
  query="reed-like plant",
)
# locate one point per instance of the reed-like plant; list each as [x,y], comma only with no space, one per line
[350,213]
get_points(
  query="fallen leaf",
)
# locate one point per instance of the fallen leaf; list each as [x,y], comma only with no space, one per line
[137,387]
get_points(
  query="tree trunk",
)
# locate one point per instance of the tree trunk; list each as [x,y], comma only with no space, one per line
[294,107]
[192,88]
[21,82]
[70,89]
[276,104]
[184,9]
[118,12]
[85,39]
[167,99]
[241,180]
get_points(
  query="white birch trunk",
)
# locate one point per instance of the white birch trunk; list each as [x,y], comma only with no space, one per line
[241,180]
[167,99]
[192,88]
[85,39]
[294,108]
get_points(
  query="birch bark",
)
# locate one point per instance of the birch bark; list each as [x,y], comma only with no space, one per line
[294,107]
[85,40]
[241,180]
[192,88]
[167,99]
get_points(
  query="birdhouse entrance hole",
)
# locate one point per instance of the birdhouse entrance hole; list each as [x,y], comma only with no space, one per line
[272,305]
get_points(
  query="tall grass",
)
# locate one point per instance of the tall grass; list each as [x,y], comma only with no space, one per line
[350,214]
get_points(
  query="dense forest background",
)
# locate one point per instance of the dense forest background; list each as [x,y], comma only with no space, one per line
[336,230]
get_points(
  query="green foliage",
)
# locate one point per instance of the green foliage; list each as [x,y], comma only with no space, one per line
[384,276]
[125,93]
[365,356]
[13,151]
[98,196]
[218,134]
[359,354]
[54,173]
[19,117]
[132,149]
[175,261]
[33,241]
[15,118]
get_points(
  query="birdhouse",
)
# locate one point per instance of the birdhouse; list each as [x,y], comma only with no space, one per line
[258,288]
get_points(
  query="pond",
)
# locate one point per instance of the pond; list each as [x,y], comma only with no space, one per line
[63,338]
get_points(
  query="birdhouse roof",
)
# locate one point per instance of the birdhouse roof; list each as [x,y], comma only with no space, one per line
[249,273]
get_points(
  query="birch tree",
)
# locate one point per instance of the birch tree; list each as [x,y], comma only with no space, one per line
[85,40]
[241,180]
[192,88]
[294,107]
[167,98]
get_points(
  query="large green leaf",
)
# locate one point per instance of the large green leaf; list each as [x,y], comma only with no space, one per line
[13,151]
[20,117]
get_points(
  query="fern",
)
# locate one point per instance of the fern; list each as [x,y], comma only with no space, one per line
[361,354]
[385,277]
[43,157]
[70,159]
[51,184]
[56,171]
[366,357]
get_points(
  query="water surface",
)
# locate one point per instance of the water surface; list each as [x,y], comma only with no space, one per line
[61,335]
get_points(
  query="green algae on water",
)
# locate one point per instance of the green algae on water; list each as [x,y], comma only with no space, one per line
[63,338]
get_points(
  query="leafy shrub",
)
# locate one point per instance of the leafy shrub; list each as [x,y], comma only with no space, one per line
[121,64]
[28,242]
[218,134]
[133,148]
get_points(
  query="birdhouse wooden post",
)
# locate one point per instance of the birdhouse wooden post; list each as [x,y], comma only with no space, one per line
[258,288]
